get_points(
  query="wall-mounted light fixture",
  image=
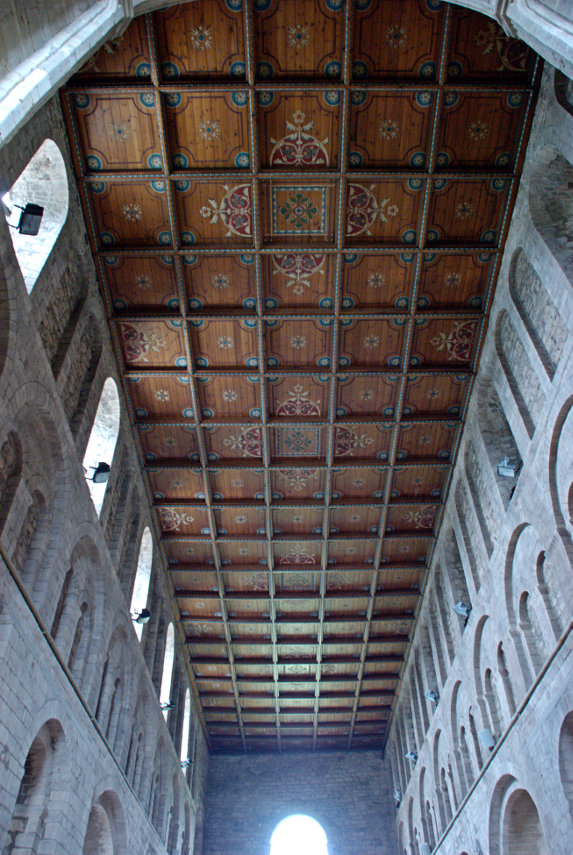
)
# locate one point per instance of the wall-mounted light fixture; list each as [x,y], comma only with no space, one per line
[509,467]
[486,739]
[463,610]
[101,472]
[30,219]
[433,696]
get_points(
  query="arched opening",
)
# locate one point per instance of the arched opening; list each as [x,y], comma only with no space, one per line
[10,471]
[33,519]
[550,203]
[563,90]
[566,759]
[101,444]
[521,830]
[301,834]
[82,370]
[184,753]
[455,572]
[28,822]
[530,632]
[537,311]
[98,840]
[142,577]
[505,679]
[519,373]
[43,182]
[4,319]
[463,511]
[499,443]
[167,673]
[479,493]
[105,833]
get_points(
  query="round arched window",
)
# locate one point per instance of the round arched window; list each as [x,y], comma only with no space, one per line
[301,834]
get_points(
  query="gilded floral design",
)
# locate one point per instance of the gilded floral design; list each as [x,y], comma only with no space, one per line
[297,268]
[298,403]
[458,342]
[298,479]
[139,344]
[299,147]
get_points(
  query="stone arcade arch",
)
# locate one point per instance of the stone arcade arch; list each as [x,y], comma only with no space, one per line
[43,182]
[522,833]
[514,824]
[551,205]
[563,88]
[10,473]
[4,320]
[105,832]
[537,311]
[561,475]
[28,823]
[521,378]
[498,440]
[566,759]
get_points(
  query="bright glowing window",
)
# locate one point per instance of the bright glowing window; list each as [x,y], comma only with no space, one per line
[103,438]
[186,724]
[299,835]
[142,577]
[44,182]
[165,693]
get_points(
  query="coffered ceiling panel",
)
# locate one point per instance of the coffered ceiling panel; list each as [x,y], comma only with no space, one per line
[297,210]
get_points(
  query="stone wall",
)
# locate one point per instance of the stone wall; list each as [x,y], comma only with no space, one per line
[506,549]
[87,754]
[347,793]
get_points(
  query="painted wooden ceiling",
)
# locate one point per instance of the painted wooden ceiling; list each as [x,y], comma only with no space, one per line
[297,210]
